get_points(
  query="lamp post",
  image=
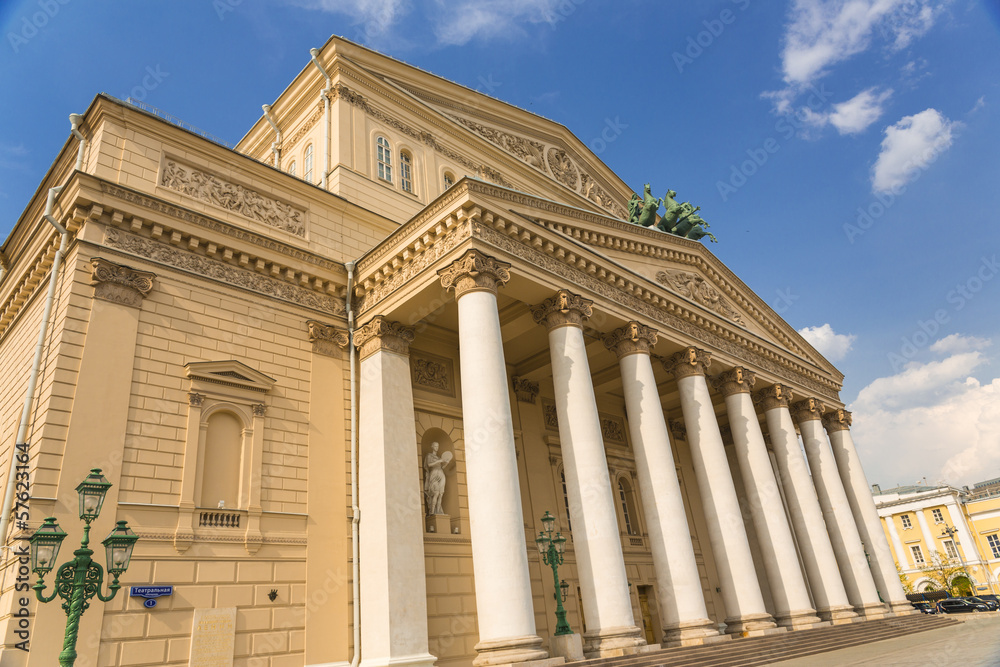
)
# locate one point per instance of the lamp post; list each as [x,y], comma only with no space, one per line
[80,579]
[551,549]
[950,532]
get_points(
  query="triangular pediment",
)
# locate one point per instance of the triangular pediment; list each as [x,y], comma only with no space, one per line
[231,373]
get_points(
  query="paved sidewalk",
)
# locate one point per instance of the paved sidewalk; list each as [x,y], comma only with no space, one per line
[974,643]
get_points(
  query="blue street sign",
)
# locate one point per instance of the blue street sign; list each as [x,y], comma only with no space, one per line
[151,591]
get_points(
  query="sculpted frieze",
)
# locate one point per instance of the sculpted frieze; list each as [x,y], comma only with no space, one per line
[197,184]
[525,149]
[213,269]
[699,290]
[563,168]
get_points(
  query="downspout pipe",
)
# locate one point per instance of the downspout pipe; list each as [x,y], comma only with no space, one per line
[355,510]
[276,144]
[36,365]
[326,125]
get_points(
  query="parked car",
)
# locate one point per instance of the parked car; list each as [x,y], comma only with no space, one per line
[925,607]
[992,604]
[961,606]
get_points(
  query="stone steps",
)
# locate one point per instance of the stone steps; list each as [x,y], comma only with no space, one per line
[753,651]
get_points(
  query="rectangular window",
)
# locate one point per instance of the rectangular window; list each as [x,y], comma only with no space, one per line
[949,548]
[918,555]
[905,518]
[938,517]
[406,172]
[994,543]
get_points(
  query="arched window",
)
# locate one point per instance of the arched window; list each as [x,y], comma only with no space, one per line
[628,510]
[383,155]
[291,168]
[307,164]
[449,179]
[406,171]
[222,465]
[562,478]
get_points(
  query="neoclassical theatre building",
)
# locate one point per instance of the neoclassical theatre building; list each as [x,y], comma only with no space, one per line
[337,374]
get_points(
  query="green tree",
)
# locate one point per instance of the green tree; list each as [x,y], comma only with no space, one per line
[947,574]
[904,580]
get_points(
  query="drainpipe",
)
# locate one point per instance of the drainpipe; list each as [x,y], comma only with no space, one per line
[326,125]
[4,266]
[355,510]
[276,145]
[29,395]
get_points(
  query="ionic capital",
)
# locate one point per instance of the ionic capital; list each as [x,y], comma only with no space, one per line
[686,363]
[810,408]
[563,309]
[775,396]
[633,338]
[383,334]
[474,272]
[838,420]
[326,339]
[118,283]
[737,380]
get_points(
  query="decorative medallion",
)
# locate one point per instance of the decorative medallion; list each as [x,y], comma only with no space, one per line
[613,429]
[677,429]
[525,390]
[550,416]
[432,373]
[563,168]
[699,290]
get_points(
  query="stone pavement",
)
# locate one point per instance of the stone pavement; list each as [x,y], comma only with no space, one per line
[974,643]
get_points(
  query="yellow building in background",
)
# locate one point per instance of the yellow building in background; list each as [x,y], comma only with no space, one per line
[943,528]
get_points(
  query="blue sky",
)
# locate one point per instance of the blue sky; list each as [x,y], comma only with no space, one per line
[844,152]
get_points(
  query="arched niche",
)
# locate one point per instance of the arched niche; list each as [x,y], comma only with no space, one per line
[449,502]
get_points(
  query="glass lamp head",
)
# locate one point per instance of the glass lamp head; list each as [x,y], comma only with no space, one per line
[548,522]
[560,542]
[564,589]
[119,545]
[542,541]
[92,491]
[45,545]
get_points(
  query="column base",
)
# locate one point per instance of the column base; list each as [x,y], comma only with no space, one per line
[752,625]
[569,647]
[514,650]
[872,610]
[613,642]
[801,619]
[692,633]
[420,660]
[902,608]
[839,615]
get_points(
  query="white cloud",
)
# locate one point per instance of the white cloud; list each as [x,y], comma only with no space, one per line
[931,420]
[956,343]
[374,17]
[857,113]
[832,345]
[910,146]
[820,34]
[852,116]
[460,21]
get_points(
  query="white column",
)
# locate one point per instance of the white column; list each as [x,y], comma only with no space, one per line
[825,580]
[792,606]
[745,611]
[840,522]
[391,540]
[611,629]
[859,495]
[968,545]
[925,531]
[499,555]
[680,598]
[901,555]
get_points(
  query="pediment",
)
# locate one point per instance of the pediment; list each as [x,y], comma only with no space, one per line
[230,373]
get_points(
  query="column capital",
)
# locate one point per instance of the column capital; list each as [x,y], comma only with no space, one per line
[633,338]
[775,396]
[688,362]
[810,408]
[383,334]
[118,283]
[736,380]
[326,338]
[525,389]
[562,309]
[678,429]
[474,272]
[838,420]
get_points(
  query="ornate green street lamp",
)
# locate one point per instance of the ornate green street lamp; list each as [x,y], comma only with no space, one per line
[79,580]
[551,549]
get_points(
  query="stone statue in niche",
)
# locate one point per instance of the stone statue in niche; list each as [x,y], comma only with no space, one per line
[434,478]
